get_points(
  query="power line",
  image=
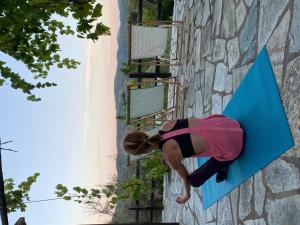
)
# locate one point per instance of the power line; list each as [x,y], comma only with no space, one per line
[6,149]
[44,200]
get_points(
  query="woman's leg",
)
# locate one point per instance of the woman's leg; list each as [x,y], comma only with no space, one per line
[222,174]
[207,170]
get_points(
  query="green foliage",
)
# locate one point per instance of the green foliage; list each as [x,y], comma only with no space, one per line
[149,14]
[150,10]
[92,199]
[104,198]
[126,69]
[137,188]
[132,4]
[29,34]
[112,192]
[123,113]
[16,196]
[153,167]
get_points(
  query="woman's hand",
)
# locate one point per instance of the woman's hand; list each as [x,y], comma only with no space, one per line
[182,198]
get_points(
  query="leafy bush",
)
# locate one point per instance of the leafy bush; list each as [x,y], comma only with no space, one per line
[153,167]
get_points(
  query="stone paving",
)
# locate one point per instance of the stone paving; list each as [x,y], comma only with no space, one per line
[221,40]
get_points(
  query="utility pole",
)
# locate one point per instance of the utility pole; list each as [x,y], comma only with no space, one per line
[3,207]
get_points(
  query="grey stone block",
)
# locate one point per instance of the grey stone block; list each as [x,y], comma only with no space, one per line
[218,53]
[270,11]
[245,198]
[255,222]
[290,93]
[197,49]
[216,104]
[224,212]
[217,16]
[295,28]
[234,198]
[284,211]
[209,77]
[228,86]
[228,27]
[199,13]
[276,47]
[199,104]
[206,13]
[240,14]
[249,29]
[259,193]
[233,52]
[220,77]
[282,176]
[206,43]
[250,54]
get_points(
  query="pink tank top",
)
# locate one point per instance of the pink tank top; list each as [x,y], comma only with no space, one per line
[224,137]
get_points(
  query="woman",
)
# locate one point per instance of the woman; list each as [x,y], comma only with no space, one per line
[216,136]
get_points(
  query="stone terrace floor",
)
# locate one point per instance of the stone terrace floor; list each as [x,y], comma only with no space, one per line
[220,42]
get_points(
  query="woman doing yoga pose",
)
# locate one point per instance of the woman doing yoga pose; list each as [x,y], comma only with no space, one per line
[216,136]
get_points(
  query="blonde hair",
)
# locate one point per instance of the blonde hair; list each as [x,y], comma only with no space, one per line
[137,142]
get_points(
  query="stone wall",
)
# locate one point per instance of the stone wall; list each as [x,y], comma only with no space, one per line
[221,41]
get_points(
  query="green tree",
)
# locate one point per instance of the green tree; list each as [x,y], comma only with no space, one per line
[29,32]
[104,198]
[16,196]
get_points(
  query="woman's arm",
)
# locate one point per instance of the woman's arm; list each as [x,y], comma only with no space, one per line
[182,172]
[173,157]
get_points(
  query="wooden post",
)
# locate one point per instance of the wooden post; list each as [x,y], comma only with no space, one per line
[147,208]
[157,74]
[159,10]
[159,17]
[135,224]
[152,200]
[137,202]
[140,19]
[140,11]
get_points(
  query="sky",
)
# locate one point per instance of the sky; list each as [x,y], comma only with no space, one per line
[69,136]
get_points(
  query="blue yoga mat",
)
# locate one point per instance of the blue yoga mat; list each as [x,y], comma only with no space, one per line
[256,104]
